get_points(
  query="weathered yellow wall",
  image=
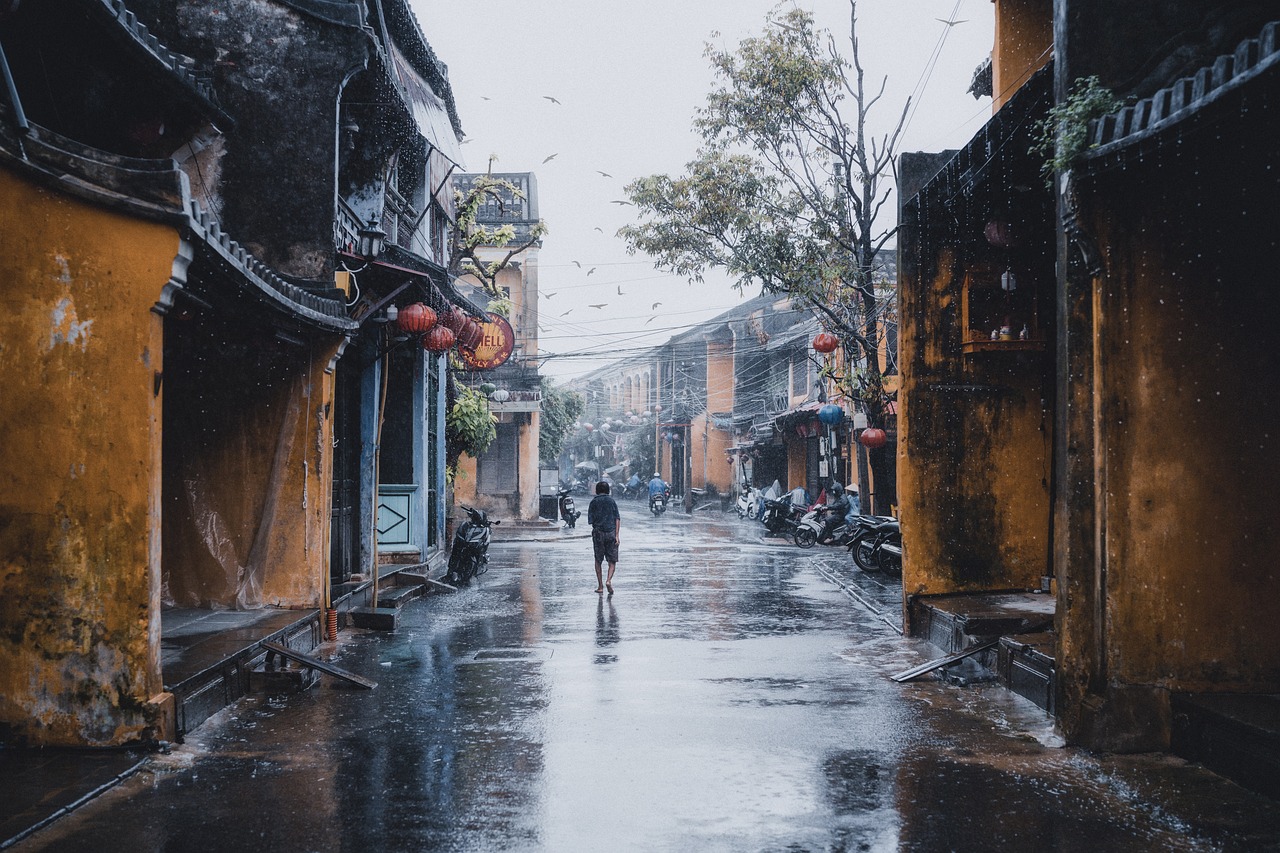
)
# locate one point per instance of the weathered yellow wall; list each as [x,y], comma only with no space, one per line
[1189,401]
[464,484]
[797,462]
[528,459]
[79,466]
[973,449]
[1023,39]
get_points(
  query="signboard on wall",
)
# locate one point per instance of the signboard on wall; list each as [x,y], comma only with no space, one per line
[497,340]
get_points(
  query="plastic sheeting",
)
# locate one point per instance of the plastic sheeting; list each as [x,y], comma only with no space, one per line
[225,528]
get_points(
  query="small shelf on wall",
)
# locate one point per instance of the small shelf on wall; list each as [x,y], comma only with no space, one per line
[998,298]
[970,347]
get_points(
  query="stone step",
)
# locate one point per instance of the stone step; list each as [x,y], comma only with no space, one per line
[1236,735]
[397,595]
[1025,664]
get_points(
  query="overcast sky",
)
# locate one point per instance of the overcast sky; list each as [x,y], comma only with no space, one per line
[629,76]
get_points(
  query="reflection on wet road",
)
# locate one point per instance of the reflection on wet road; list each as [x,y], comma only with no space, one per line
[729,696]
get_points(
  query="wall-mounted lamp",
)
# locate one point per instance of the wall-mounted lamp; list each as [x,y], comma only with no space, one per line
[371,239]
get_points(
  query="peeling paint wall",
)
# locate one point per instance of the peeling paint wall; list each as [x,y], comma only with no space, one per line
[974,443]
[80,350]
[1184,442]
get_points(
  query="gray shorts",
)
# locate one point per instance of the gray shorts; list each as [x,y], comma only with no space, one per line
[605,545]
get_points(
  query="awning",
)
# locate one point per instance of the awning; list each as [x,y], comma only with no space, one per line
[429,110]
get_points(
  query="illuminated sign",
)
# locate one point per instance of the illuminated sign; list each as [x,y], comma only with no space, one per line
[497,340]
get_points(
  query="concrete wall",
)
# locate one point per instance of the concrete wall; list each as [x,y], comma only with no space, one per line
[79,468]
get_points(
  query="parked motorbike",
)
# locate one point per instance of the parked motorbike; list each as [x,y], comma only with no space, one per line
[876,544]
[569,512]
[658,502]
[748,505]
[823,525]
[469,556]
[781,517]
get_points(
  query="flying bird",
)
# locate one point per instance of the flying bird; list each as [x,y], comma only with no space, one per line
[578,264]
[603,174]
[598,228]
[599,305]
[654,305]
[483,98]
[590,271]
[551,99]
[567,313]
[549,295]
[620,293]
[650,320]
[615,201]
[552,157]
[951,23]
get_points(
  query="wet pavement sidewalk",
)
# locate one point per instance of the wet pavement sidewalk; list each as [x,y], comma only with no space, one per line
[730,696]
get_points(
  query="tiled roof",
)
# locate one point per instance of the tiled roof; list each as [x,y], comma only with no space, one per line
[1188,95]
[181,67]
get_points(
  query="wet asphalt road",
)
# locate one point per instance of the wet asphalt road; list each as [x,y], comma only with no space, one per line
[729,696]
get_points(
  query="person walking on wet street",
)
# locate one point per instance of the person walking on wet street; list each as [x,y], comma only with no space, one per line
[606,533]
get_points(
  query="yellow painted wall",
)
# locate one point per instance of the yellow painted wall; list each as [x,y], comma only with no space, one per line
[79,467]
[1023,42]
[797,463]
[1189,406]
[973,449]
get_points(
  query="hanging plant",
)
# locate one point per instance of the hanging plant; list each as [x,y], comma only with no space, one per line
[1062,137]
[469,426]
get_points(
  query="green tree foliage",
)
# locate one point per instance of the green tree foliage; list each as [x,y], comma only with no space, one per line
[786,187]
[469,236]
[639,447]
[469,426]
[560,408]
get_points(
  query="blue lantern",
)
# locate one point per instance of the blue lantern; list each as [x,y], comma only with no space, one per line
[831,415]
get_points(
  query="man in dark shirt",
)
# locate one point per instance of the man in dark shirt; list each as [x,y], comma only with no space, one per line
[606,527]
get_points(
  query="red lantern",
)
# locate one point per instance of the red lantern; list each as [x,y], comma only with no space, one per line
[416,319]
[825,342]
[469,333]
[453,319]
[872,437]
[439,339]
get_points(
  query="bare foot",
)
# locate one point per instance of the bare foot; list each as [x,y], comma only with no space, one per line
[601,589]
[609,587]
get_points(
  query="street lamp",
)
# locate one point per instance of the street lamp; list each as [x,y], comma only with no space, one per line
[371,239]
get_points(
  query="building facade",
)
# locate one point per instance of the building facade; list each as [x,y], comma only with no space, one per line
[1076,457]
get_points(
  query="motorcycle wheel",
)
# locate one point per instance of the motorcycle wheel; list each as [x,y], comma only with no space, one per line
[806,538]
[863,552]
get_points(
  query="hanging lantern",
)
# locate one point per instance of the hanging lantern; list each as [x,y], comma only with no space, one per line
[588,427]
[633,420]
[872,437]
[415,319]
[825,342]
[439,339]
[502,395]
[831,415]
[452,319]
[469,333]
[488,388]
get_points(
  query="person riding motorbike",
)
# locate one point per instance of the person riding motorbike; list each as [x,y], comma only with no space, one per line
[836,511]
[631,489]
[657,486]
